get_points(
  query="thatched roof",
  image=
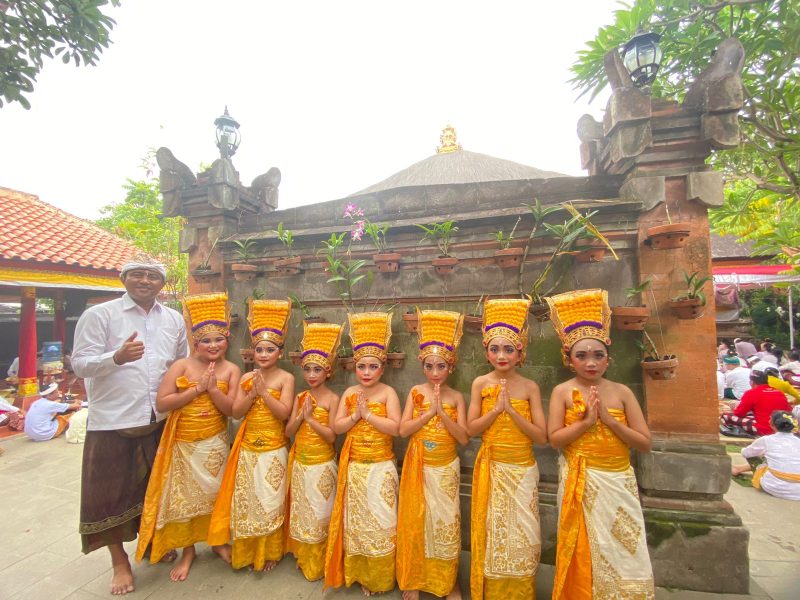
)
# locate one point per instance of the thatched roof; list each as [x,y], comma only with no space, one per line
[452,165]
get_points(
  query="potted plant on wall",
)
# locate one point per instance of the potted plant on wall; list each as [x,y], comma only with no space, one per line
[244,251]
[507,257]
[473,321]
[657,366]
[395,358]
[630,317]
[690,304]
[671,235]
[345,271]
[291,264]
[303,307]
[441,234]
[385,261]
[346,360]
[411,319]
[203,273]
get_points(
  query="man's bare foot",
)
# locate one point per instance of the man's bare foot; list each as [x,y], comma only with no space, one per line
[410,594]
[122,577]
[224,552]
[455,594]
[181,570]
[169,557]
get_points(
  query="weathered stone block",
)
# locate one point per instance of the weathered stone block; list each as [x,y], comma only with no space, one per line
[627,142]
[684,469]
[725,95]
[187,240]
[721,129]
[626,106]
[650,191]
[705,187]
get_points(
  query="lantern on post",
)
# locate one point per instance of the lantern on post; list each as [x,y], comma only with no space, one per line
[228,136]
[642,57]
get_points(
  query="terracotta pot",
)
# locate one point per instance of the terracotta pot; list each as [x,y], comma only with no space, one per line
[444,265]
[663,237]
[631,318]
[387,262]
[244,272]
[508,258]
[204,275]
[591,254]
[687,308]
[288,266]
[412,321]
[315,320]
[348,363]
[540,311]
[296,357]
[395,359]
[473,323]
[660,369]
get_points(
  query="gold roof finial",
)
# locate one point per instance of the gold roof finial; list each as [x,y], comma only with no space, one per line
[448,141]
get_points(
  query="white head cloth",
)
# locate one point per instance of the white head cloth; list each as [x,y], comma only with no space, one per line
[141,262]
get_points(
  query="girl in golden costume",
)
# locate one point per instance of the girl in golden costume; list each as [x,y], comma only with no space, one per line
[191,456]
[363,529]
[506,409]
[602,547]
[312,459]
[429,518]
[251,505]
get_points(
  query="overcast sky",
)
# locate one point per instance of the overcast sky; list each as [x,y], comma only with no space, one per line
[338,95]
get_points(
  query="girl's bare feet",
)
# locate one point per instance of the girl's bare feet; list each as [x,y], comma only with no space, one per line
[181,570]
[455,594]
[269,565]
[122,577]
[366,592]
[169,557]
[411,595]
[224,552]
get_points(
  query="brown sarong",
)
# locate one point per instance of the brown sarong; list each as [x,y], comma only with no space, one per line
[114,479]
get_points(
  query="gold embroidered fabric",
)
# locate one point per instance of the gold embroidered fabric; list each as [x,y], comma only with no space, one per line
[186,476]
[506,536]
[602,548]
[361,542]
[429,520]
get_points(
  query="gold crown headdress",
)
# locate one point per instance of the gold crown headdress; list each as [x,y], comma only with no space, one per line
[508,318]
[439,334]
[207,313]
[268,320]
[580,314]
[370,333]
[320,344]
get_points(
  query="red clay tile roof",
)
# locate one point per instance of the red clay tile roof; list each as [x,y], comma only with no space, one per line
[33,230]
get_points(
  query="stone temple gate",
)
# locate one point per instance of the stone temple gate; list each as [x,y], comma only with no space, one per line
[647,173]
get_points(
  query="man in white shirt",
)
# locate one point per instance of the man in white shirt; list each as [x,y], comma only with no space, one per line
[122,349]
[737,378]
[46,418]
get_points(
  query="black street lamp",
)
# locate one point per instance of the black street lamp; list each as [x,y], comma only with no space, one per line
[642,57]
[228,136]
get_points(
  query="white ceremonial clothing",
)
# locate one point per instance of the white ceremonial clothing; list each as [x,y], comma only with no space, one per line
[738,379]
[122,396]
[781,451]
[40,424]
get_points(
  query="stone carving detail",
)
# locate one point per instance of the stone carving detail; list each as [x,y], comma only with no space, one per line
[265,189]
[174,177]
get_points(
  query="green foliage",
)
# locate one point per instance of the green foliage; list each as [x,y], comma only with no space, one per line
[768,308]
[244,249]
[763,175]
[299,304]
[503,240]
[440,234]
[694,287]
[286,237]
[345,272]
[138,219]
[377,233]
[32,30]
[637,290]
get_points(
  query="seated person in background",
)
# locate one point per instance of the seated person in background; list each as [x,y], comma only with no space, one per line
[779,475]
[774,380]
[744,349]
[793,366]
[46,418]
[753,412]
[737,377]
[720,385]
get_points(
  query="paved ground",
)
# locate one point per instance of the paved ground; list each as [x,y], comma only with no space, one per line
[42,560]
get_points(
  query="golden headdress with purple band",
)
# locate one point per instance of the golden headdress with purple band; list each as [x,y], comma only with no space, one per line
[269,320]
[320,344]
[507,318]
[580,314]
[207,313]
[370,333]
[439,334]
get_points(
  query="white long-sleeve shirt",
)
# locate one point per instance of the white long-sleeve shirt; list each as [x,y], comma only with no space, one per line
[782,453]
[122,396]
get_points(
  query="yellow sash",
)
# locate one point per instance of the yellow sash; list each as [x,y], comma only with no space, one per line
[431,445]
[761,469]
[503,442]
[195,421]
[364,444]
[599,448]
[260,431]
